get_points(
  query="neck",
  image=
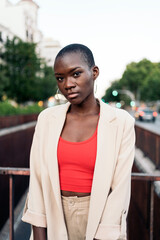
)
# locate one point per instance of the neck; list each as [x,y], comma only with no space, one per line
[89,106]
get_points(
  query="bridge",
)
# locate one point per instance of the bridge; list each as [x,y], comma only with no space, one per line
[143,218]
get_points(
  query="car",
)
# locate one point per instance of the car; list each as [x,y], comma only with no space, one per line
[145,115]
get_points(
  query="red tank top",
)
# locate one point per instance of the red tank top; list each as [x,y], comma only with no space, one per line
[76,161]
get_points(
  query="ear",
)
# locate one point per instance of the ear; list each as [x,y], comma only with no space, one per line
[95,71]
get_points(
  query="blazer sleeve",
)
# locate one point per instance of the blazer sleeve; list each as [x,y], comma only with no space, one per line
[113,221]
[34,209]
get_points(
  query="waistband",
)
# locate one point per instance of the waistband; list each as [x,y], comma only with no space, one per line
[76,199]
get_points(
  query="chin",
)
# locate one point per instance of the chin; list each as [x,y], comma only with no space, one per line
[76,100]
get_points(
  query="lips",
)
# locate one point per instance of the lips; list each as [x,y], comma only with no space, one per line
[72,95]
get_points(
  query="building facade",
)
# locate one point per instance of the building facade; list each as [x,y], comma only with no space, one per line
[21,20]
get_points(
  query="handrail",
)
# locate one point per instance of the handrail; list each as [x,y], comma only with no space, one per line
[151,178]
[14,171]
[26,172]
[149,142]
[146,176]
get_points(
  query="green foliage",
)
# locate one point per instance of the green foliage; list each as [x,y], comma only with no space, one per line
[108,97]
[7,109]
[25,76]
[135,74]
[30,109]
[3,81]
[151,87]
[46,86]
[141,78]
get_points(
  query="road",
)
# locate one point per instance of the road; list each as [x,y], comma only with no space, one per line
[154,127]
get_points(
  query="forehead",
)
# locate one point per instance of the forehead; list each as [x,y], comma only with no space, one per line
[70,60]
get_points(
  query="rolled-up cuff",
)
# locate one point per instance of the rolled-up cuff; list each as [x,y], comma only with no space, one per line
[109,232]
[36,219]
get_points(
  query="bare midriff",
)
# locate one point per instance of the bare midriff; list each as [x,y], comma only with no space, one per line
[73,194]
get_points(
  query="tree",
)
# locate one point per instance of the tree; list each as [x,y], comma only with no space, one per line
[141,78]
[28,77]
[108,97]
[151,87]
[135,75]
[3,81]
[46,86]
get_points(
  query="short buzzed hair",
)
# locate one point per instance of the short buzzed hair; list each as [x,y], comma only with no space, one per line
[78,48]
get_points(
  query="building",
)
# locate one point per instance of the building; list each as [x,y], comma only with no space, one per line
[49,49]
[21,20]
[5,32]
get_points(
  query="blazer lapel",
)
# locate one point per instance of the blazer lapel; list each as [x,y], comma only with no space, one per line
[102,178]
[56,123]
[106,140]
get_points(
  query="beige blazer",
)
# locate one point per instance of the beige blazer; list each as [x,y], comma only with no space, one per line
[115,155]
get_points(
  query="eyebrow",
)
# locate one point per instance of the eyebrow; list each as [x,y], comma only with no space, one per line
[72,70]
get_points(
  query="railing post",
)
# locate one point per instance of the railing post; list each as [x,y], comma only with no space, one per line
[11,207]
[151,209]
[26,172]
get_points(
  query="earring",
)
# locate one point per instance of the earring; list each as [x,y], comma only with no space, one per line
[57,94]
[95,89]
[60,97]
[58,91]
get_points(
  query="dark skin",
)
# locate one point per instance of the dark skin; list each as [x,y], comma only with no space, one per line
[39,233]
[75,80]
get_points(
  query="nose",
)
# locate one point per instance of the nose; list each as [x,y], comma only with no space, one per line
[69,83]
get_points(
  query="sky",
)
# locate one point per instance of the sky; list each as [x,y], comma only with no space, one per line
[117,31]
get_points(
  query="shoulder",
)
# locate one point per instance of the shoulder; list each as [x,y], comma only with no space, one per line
[123,121]
[50,115]
[120,116]
[51,112]
[124,116]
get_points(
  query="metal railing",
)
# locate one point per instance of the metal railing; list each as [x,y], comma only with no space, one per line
[149,142]
[26,172]
[150,178]
[12,172]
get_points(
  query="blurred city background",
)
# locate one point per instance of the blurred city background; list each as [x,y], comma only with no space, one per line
[124,37]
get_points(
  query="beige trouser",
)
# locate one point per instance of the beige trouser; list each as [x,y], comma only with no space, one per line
[76,215]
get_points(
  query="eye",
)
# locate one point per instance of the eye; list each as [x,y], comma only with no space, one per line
[76,74]
[59,79]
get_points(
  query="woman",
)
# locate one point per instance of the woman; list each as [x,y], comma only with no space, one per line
[81,159]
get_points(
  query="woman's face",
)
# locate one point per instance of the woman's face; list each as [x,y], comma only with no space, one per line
[74,77]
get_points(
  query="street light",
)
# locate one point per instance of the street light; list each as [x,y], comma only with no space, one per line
[132,103]
[128,93]
[124,91]
[114,93]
